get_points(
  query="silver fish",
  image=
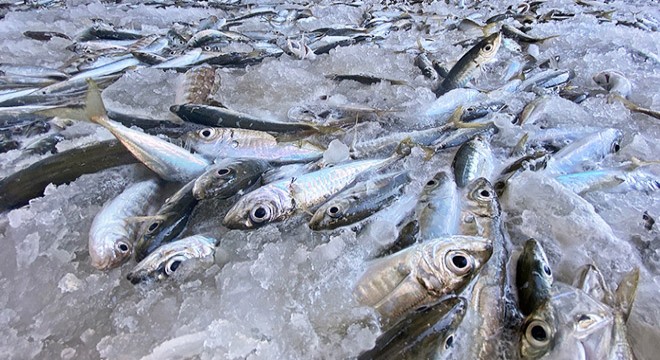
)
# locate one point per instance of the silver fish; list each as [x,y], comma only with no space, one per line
[591,148]
[421,274]
[473,160]
[111,235]
[621,178]
[165,260]
[228,178]
[614,82]
[533,277]
[438,209]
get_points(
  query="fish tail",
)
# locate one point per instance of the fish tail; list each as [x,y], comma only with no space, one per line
[625,292]
[95,109]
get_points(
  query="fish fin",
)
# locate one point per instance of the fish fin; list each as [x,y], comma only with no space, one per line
[519,149]
[590,280]
[542,40]
[94,109]
[626,291]
[142,219]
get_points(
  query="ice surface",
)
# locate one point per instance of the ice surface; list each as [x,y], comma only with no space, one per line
[283,291]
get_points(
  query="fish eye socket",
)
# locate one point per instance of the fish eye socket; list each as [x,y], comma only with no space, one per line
[607,77]
[547,270]
[431,182]
[223,171]
[470,109]
[173,264]
[334,211]
[123,247]
[488,47]
[153,227]
[616,147]
[206,133]
[538,333]
[485,193]
[260,214]
[458,262]
[449,342]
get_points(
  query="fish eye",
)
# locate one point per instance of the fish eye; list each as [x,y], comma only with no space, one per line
[607,78]
[616,147]
[488,47]
[260,214]
[207,48]
[334,211]
[153,227]
[123,247]
[223,171]
[584,321]
[234,144]
[173,264]
[538,333]
[547,270]
[172,52]
[470,109]
[206,133]
[449,341]
[458,262]
[431,182]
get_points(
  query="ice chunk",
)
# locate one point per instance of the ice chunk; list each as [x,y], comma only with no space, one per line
[69,283]
[336,152]
[28,250]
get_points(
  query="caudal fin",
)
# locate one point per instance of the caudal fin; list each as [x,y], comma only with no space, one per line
[95,109]
[626,291]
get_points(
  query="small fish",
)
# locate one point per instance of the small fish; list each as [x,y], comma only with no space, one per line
[591,148]
[423,334]
[473,160]
[111,235]
[649,221]
[614,82]
[438,209]
[229,177]
[163,262]
[419,275]
[620,179]
[168,222]
[538,331]
[169,161]
[424,64]
[517,34]
[198,85]
[32,71]
[464,70]
[45,35]
[359,202]
[533,277]
[278,200]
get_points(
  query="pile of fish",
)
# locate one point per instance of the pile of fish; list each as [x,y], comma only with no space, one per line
[428,172]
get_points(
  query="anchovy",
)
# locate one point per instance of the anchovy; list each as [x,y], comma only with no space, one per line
[163,262]
[228,178]
[168,222]
[223,117]
[359,202]
[111,235]
[169,161]
[473,160]
[279,200]
[465,68]
[438,208]
[420,275]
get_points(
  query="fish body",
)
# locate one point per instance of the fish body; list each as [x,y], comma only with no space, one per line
[198,85]
[111,235]
[359,202]
[623,178]
[280,199]
[533,277]
[473,160]
[229,177]
[163,262]
[438,209]
[590,148]
[464,70]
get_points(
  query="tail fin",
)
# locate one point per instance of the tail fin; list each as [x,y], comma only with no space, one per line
[591,281]
[626,291]
[95,109]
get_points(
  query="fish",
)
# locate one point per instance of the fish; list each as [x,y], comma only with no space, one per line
[621,178]
[420,275]
[622,304]
[165,260]
[473,160]
[197,85]
[229,177]
[424,333]
[464,70]
[517,34]
[228,142]
[32,71]
[278,200]
[538,331]
[426,66]
[222,117]
[359,202]
[168,160]
[168,222]
[533,277]
[590,148]
[111,235]
[438,209]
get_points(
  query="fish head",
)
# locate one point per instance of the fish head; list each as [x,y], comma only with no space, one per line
[437,181]
[216,178]
[200,139]
[615,137]
[482,200]
[116,250]
[254,210]
[534,276]
[607,78]
[330,215]
[457,259]
[488,48]
[538,332]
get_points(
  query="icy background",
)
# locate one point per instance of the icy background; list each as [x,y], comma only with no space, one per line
[283,291]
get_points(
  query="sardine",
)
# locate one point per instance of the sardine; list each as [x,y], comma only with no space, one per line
[464,70]
[359,202]
[168,222]
[111,235]
[229,177]
[163,262]
[420,275]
